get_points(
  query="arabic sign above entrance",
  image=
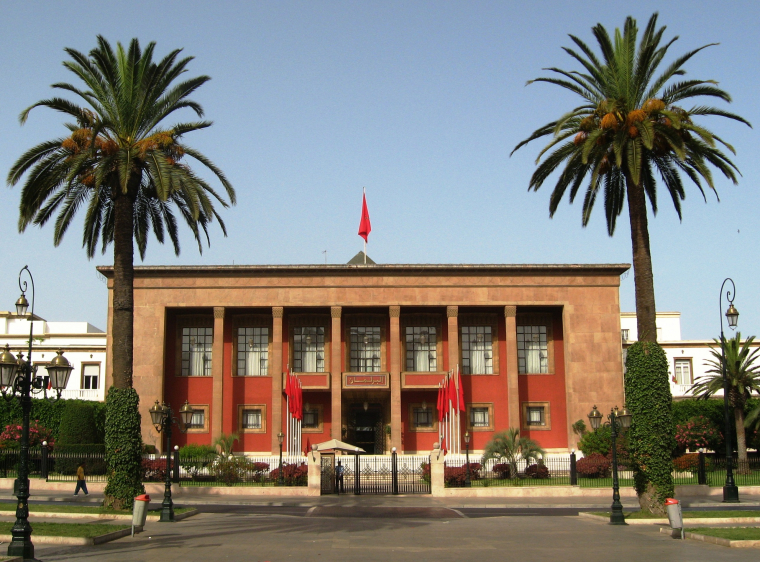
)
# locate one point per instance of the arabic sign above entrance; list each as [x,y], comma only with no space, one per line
[365,380]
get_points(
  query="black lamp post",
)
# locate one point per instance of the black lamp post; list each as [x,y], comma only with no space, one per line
[623,419]
[17,379]
[730,489]
[467,482]
[280,476]
[161,416]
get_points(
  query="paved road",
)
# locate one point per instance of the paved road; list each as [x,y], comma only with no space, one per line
[264,537]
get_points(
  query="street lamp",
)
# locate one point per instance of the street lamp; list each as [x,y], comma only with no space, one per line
[280,476]
[623,419]
[730,489]
[161,416]
[467,482]
[17,379]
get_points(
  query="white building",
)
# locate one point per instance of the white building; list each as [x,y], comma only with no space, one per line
[83,345]
[686,358]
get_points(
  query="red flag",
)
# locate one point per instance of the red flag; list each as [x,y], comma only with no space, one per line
[451,393]
[443,445]
[299,400]
[460,394]
[364,225]
[439,404]
[308,446]
[289,390]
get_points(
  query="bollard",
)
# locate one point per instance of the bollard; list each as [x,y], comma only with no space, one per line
[44,463]
[675,518]
[139,512]
[701,472]
[573,469]
[175,472]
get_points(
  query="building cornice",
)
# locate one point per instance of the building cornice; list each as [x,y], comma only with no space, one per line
[615,269]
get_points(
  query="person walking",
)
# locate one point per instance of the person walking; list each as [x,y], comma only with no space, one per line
[339,478]
[81,484]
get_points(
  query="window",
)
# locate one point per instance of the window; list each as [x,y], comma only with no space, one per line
[42,374]
[477,357]
[312,418]
[423,417]
[480,416]
[532,350]
[196,351]
[624,332]
[90,376]
[365,349]
[252,418]
[421,349]
[683,371]
[535,415]
[199,421]
[252,352]
[309,349]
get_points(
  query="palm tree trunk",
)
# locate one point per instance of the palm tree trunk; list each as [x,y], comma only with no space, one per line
[642,262]
[123,300]
[741,440]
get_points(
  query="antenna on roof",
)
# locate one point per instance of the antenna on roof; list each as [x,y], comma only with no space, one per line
[325,253]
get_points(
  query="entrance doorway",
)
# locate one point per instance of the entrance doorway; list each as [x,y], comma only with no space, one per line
[366,429]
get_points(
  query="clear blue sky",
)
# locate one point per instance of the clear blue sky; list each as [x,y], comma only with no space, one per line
[419,102]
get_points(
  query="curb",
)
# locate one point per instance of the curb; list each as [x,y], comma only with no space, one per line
[716,540]
[105,516]
[690,520]
[74,541]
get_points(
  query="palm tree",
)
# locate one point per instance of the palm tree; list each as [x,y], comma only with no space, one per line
[630,127]
[743,379]
[509,447]
[131,174]
[120,163]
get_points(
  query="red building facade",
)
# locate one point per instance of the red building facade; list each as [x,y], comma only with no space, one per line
[537,347]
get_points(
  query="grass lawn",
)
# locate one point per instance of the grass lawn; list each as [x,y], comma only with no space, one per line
[690,514]
[730,533]
[86,530]
[48,508]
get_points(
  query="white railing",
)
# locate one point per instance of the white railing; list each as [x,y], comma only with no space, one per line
[81,394]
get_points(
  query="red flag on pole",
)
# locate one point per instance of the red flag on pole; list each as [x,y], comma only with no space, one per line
[299,400]
[460,394]
[439,404]
[364,225]
[289,390]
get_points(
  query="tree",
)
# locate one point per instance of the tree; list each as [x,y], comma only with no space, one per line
[743,379]
[509,447]
[630,126]
[129,170]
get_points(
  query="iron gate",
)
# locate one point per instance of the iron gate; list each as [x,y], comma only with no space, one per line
[376,474]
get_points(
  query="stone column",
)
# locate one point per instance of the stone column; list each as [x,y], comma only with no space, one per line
[437,458]
[217,374]
[314,474]
[395,374]
[452,312]
[275,367]
[513,388]
[336,361]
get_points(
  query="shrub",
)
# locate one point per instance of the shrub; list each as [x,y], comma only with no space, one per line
[687,463]
[698,432]
[456,476]
[292,474]
[11,436]
[539,471]
[595,465]
[123,448]
[233,470]
[65,459]
[647,389]
[425,466]
[77,424]
[153,470]
[597,441]
[195,458]
[502,470]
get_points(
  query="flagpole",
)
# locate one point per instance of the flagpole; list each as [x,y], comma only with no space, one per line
[364,194]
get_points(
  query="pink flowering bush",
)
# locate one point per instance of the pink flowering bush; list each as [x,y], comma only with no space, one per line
[697,433]
[11,437]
